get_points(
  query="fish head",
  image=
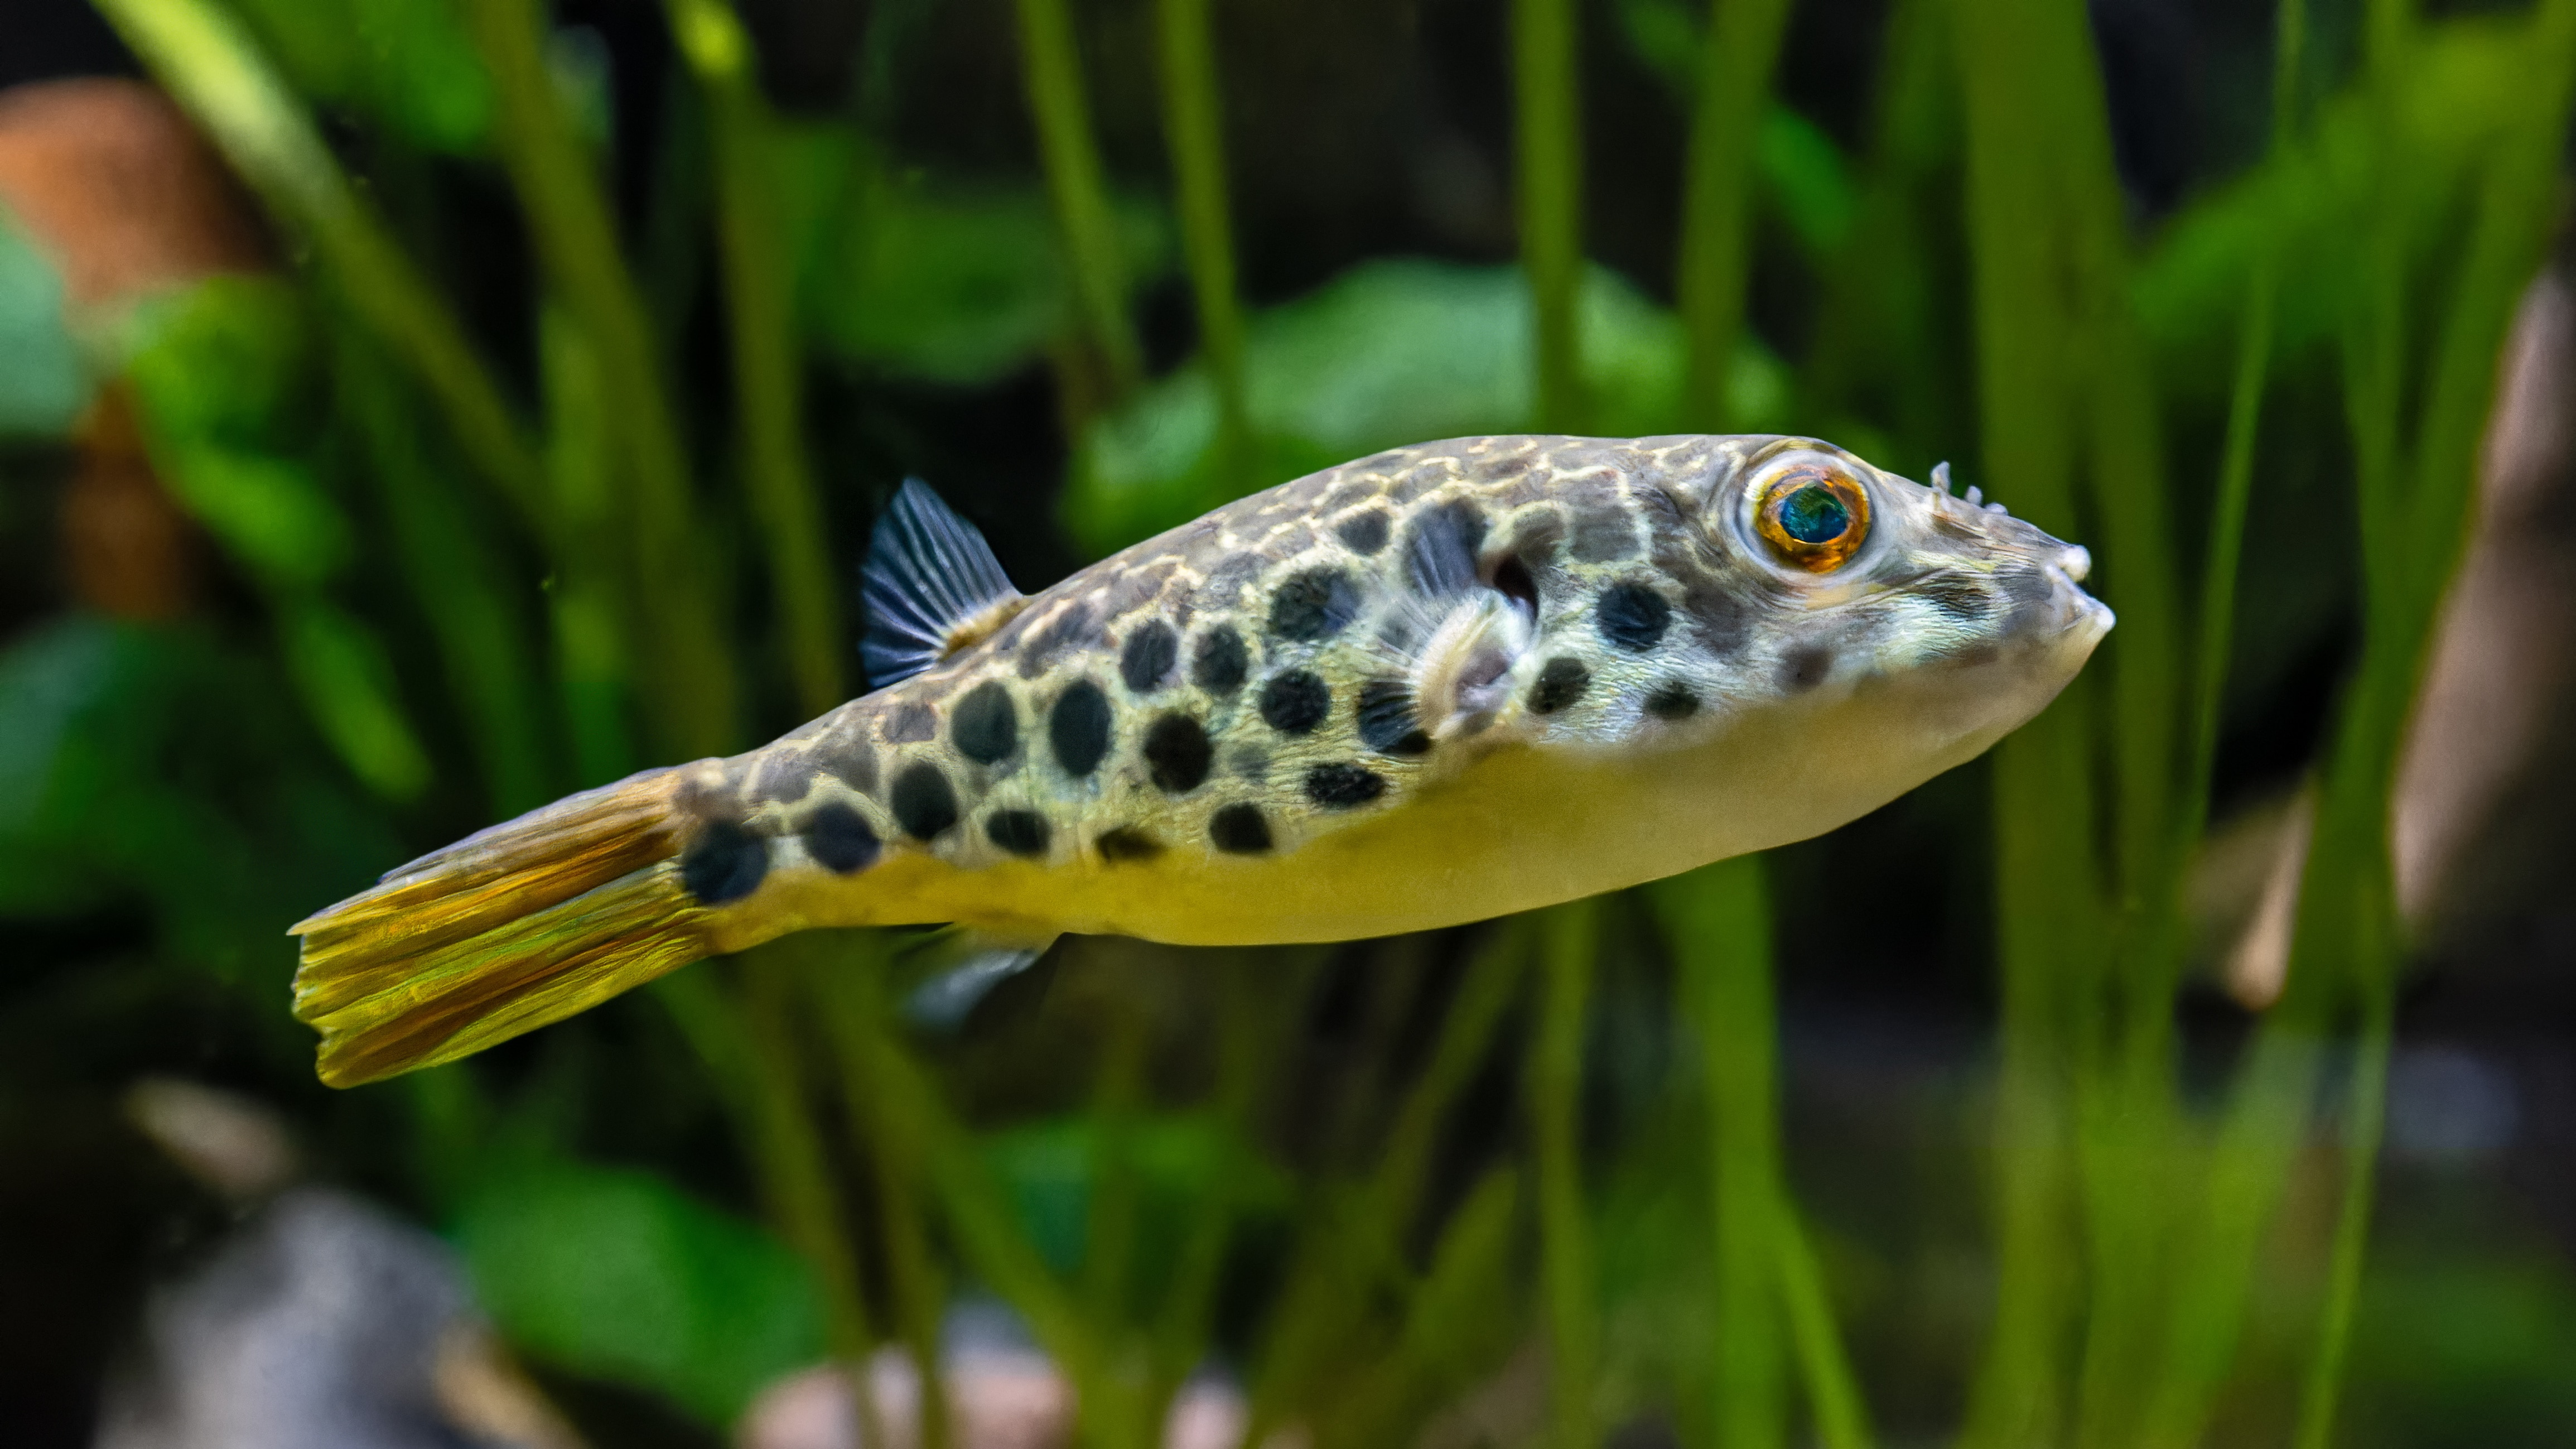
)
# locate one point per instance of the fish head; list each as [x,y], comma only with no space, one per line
[1807,636]
[1926,622]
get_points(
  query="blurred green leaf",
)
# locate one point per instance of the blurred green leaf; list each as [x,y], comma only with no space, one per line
[228,360]
[951,285]
[164,767]
[1389,353]
[222,373]
[2463,88]
[347,683]
[403,63]
[48,682]
[620,1276]
[1807,178]
[268,512]
[42,383]
[1047,1170]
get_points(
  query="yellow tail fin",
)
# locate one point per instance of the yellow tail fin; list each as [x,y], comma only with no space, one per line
[500,933]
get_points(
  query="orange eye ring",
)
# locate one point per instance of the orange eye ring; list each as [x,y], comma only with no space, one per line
[1813,519]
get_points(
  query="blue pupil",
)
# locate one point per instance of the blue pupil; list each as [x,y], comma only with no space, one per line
[1814,515]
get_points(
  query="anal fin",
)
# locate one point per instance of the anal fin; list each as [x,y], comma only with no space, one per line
[964,966]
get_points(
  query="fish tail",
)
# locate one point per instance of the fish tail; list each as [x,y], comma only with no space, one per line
[520,925]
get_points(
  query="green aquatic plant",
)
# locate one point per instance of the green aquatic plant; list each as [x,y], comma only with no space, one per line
[502,550]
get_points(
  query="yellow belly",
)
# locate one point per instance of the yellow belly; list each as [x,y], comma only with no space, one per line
[1516,828]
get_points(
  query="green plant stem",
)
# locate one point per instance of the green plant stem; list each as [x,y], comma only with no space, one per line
[1051,69]
[1720,927]
[1183,1324]
[768,383]
[1193,129]
[850,987]
[1824,1366]
[451,571]
[215,71]
[2048,921]
[1878,319]
[1548,167]
[2044,900]
[694,690]
[2365,1112]
[987,1236]
[587,593]
[1491,983]
[1108,1258]
[1353,1244]
[2415,515]
[2225,553]
[1742,47]
[1570,939]
[750,1048]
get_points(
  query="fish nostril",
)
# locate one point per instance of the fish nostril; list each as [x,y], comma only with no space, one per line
[2076,562]
[1512,580]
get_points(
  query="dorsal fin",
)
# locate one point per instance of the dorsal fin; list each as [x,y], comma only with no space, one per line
[931,586]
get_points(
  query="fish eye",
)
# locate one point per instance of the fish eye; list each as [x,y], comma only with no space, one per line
[1813,519]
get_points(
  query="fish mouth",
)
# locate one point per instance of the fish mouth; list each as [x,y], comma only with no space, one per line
[2082,618]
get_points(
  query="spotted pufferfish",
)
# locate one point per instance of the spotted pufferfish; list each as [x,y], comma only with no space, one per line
[1432,686]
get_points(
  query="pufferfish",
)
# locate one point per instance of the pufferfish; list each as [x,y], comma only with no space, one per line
[1432,686]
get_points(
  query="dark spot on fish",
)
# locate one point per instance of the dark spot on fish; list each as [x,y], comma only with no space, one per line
[1662,512]
[1718,620]
[911,723]
[1387,721]
[783,777]
[1344,493]
[1672,700]
[850,758]
[1536,537]
[1981,652]
[1417,480]
[1633,617]
[1402,634]
[1240,830]
[1603,532]
[985,725]
[2033,599]
[1343,787]
[1962,599]
[1078,727]
[1136,588]
[840,839]
[725,863]
[924,805]
[1805,667]
[1363,533]
[2026,586]
[1220,663]
[1021,832]
[710,792]
[1312,605]
[1152,653]
[1177,754]
[1225,583]
[1442,556]
[1295,702]
[1073,625]
[1561,681]
[1127,843]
